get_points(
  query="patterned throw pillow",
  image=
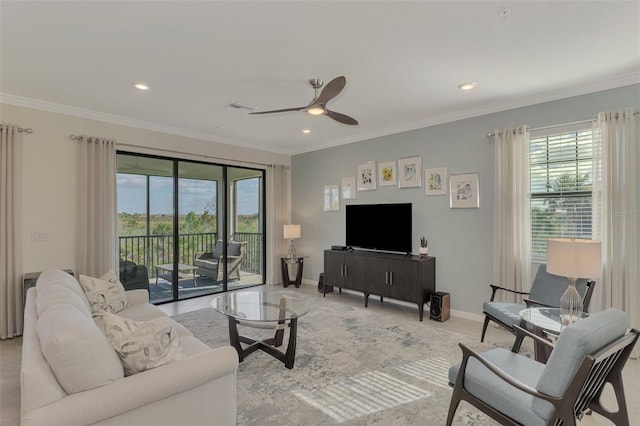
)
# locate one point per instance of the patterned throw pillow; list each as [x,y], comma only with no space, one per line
[104,294]
[142,345]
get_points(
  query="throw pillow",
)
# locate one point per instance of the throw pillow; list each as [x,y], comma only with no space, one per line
[233,249]
[142,345]
[77,351]
[217,250]
[104,294]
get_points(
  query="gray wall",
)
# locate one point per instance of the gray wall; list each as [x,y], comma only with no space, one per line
[460,239]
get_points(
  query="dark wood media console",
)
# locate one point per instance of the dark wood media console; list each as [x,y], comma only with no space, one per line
[407,278]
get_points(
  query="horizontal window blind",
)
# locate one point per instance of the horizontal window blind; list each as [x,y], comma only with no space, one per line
[561,185]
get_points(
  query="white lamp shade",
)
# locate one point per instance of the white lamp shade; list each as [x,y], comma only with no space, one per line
[576,258]
[291,232]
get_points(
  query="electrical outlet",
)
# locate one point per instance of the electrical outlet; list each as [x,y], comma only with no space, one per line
[37,237]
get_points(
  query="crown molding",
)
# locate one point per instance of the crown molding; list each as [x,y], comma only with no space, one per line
[538,98]
[126,121]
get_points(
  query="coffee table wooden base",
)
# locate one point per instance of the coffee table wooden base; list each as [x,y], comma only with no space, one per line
[268,345]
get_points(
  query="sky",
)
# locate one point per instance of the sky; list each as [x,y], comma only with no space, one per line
[194,195]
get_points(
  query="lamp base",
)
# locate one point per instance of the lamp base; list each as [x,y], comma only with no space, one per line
[292,249]
[570,304]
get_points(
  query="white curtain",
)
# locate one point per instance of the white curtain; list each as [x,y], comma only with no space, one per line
[511,212]
[278,214]
[96,207]
[615,211]
[11,315]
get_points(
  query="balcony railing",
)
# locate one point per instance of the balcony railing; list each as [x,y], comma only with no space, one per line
[152,250]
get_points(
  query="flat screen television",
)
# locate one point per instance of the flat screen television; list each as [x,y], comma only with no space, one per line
[383,227]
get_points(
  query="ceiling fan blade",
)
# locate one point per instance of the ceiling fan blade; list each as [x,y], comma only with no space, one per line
[331,90]
[278,110]
[342,118]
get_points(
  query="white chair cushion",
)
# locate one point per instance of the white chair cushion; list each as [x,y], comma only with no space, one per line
[58,294]
[77,351]
[104,294]
[142,345]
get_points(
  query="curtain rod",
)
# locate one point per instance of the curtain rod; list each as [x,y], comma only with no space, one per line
[205,157]
[171,151]
[491,134]
[20,129]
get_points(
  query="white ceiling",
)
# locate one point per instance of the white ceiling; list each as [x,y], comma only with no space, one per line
[402,60]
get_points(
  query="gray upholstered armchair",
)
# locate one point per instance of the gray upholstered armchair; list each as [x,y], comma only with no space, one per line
[516,390]
[545,291]
[208,263]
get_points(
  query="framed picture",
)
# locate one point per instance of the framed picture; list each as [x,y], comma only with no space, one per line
[367,176]
[348,188]
[435,181]
[387,173]
[464,191]
[410,172]
[331,198]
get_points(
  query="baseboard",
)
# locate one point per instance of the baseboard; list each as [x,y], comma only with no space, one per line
[454,313]
[467,315]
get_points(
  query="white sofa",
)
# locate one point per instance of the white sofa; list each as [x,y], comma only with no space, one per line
[199,389]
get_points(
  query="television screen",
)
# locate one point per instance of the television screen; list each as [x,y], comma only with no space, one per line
[384,227]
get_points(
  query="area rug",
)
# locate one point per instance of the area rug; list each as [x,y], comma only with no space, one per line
[353,366]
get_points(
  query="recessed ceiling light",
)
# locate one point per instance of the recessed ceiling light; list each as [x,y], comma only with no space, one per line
[467,85]
[306,131]
[141,86]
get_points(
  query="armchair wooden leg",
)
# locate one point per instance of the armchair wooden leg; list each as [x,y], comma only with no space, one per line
[484,328]
[620,417]
[453,406]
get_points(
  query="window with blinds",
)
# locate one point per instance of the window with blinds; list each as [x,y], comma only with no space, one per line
[561,184]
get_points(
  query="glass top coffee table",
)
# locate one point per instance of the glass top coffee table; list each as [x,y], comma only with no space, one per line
[546,323]
[262,309]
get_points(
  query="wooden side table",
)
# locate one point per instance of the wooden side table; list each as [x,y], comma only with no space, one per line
[287,260]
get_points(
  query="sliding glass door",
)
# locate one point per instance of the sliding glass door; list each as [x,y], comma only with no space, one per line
[246,224]
[186,228]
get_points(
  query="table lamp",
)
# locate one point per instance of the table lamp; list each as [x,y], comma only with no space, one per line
[573,258]
[291,232]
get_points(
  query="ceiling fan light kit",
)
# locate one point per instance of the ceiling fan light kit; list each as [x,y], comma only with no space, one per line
[318,105]
[316,110]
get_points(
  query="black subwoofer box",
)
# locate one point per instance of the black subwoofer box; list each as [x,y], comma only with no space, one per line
[440,306]
[322,287]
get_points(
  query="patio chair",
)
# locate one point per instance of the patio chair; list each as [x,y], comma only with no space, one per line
[133,276]
[545,291]
[208,263]
[516,390]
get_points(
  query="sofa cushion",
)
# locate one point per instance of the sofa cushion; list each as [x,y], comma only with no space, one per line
[207,263]
[192,346]
[105,293]
[56,276]
[142,345]
[57,294]
[77,351]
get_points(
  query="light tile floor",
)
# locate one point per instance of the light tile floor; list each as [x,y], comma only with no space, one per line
[10,351]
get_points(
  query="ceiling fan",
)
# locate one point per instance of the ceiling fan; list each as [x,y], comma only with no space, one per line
[318,104]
